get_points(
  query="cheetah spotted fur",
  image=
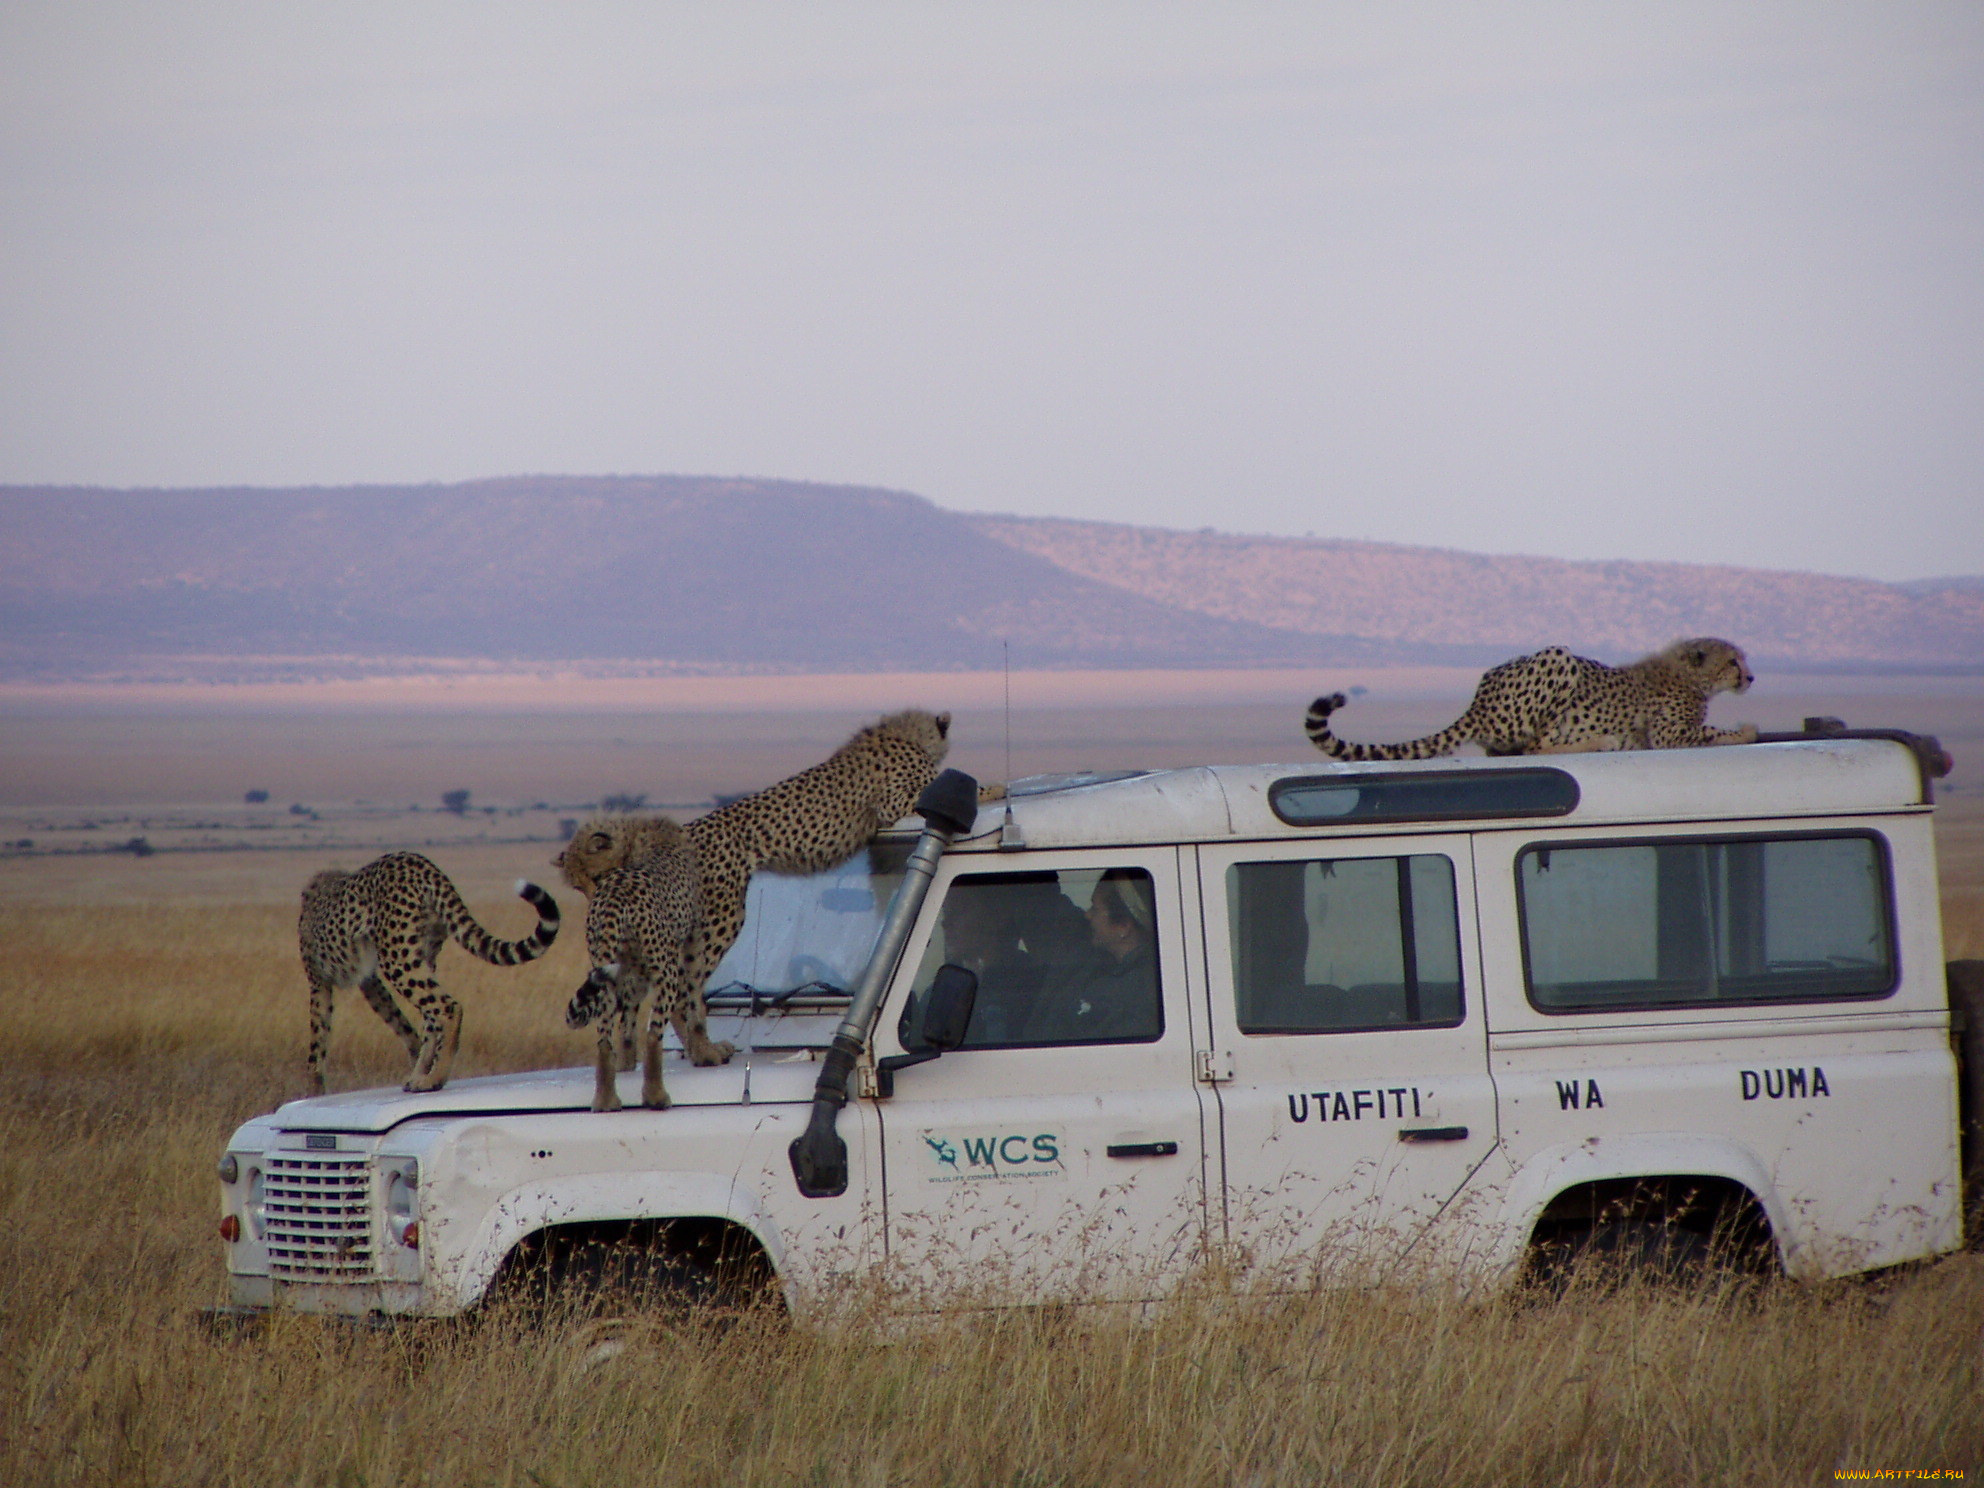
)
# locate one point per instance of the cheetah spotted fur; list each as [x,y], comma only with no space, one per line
[807,823]
[379,929]
[1557,703]
[638,931]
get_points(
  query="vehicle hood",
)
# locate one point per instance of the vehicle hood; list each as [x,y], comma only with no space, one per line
[756,1077]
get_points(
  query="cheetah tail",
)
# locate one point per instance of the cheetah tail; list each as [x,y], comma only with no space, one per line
[1316,724]
[480,943]
[593,996]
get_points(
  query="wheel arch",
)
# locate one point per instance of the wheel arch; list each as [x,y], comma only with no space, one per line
[1565,1185]
[609,1199]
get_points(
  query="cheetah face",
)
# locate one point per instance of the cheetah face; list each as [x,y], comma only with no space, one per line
[1721,665]
[596,848]
[608,842]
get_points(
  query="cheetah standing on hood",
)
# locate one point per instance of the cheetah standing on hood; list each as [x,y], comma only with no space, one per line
[807,823]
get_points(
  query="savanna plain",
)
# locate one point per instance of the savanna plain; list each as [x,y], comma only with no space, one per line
[149,1003]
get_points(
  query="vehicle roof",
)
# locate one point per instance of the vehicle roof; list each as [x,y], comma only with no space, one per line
[1822,777]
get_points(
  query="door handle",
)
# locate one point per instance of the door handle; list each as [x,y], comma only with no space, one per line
[1433,1134]
[1143,1149]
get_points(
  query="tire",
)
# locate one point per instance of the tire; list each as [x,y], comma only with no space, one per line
[1966,992]
[610,1278]
[1622,1252]
[632,1278]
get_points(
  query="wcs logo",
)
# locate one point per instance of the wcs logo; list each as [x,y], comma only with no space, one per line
[993,1155]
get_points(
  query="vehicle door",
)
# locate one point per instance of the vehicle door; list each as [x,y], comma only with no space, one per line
[1059,1154]
[1343,979]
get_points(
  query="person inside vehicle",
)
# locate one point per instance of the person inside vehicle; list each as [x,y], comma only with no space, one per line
[1109,992]
[981,934]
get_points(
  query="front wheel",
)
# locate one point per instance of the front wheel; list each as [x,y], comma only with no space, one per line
[585,1277]
[655,1268]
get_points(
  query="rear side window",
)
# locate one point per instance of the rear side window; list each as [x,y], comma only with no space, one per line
[1431,795]
[1618,926]
[1335,945]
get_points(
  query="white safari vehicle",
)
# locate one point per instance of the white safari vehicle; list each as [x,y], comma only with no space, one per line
[1315,1020]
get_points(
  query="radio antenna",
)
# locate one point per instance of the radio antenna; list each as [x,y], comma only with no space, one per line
[1009,830]
[1006,650]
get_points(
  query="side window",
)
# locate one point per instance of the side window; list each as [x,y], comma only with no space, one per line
[1330,946]
[1674,923]
[1064,956]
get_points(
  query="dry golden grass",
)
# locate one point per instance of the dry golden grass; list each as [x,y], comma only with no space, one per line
[146,1013]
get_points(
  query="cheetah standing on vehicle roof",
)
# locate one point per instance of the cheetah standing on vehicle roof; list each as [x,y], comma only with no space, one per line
[1557,703]
[807,823]
[380,929]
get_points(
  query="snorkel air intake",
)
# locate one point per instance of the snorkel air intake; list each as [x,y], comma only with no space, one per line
[948,806]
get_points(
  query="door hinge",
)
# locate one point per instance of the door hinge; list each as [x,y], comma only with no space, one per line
[868,1084]
[1215,1065]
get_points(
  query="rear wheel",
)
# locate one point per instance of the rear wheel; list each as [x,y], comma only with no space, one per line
[1663,1231]
[1621,1251]
[1966,990]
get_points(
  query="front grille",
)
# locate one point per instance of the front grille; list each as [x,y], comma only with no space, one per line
[317,1216]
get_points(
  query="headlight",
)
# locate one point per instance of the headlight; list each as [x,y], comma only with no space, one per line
[402,1202]
[258,1203]
[230,1168]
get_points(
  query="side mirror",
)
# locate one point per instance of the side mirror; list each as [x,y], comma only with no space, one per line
[935,1025]
[947,1007]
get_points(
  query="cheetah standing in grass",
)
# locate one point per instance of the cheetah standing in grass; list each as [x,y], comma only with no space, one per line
[805,824]
[1557,703]
[380,929]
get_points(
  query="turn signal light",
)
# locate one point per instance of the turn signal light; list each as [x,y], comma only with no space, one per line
[410,1236]
[230,1229]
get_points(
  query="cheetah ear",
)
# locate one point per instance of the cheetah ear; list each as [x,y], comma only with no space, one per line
[943,725]
[601,842]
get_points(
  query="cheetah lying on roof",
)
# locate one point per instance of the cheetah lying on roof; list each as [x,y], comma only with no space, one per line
[379,929]
[807,823]
[1557,703]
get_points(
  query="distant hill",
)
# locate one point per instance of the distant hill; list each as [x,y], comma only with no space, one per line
[1409,596]
[691,574]
[711,575]
[1955,584]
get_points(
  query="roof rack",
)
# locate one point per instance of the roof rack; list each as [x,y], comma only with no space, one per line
[1931,759]
[1041,785]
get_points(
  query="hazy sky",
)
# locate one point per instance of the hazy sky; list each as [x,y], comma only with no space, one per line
[1694,281]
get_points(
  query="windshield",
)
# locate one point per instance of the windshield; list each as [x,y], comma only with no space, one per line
[813,931]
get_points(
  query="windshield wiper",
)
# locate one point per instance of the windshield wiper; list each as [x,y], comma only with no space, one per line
[762,1001]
